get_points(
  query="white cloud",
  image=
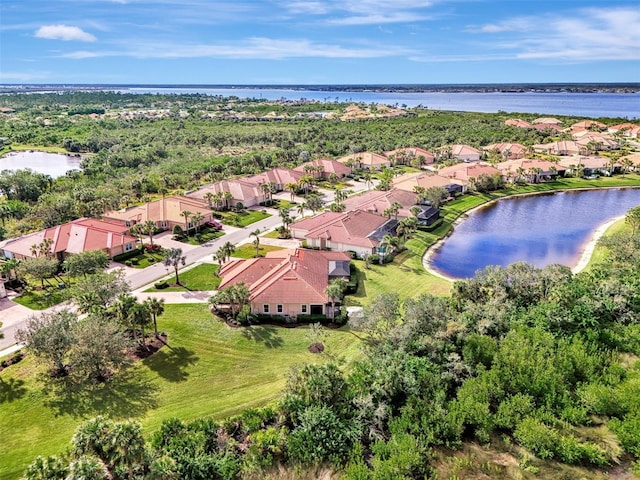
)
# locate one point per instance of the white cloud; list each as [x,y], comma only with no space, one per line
[64,32]
[579,36]
[361,12]
[252,48]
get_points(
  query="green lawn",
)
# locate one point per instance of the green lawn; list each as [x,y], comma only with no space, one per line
[600,253]
[41,299]
[249,251]
[143,259]
[405,276]
[205,235]
[15,147]
[199,278]
[243,218]
[210,370]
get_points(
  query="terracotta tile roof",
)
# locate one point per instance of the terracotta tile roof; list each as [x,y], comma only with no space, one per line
[588,124]
[279,176]
[548,126]
[527,164]
[425,180]
[591,161]
[464,171]
[461,149]
[413,152]
[240,189]
[329,166]
[516,122]
[368,159]
[312,223]
[515,150]
[351,228]
[81,235]
[377,201]
[163,209]
[292,276]
[562,147]
[547,120]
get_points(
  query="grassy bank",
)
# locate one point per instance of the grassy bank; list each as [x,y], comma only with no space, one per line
[209,370]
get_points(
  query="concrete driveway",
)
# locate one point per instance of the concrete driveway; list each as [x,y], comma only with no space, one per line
[13,317]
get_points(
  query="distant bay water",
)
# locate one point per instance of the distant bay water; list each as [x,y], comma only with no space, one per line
[592,105]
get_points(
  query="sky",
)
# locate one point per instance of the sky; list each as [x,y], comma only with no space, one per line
[272,42]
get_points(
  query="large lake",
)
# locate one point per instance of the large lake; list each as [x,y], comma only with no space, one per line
[52,164]
[625,105]
[539,229]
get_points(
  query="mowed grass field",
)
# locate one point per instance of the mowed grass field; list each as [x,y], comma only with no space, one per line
[208,369]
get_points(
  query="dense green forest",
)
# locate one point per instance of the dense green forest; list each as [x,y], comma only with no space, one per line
[130,153]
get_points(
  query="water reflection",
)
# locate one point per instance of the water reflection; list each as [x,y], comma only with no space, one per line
[540,230]
[52,164]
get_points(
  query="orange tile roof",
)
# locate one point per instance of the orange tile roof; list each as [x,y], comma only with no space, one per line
[516,122]
[279,176]
[329,166]
[163,209]
[425,180]
[378,201]
[516,150]
[292,276]
[369,159]
[547,120]
[351,228]
[413,152]
[465,171]
[526,164]
[81,235]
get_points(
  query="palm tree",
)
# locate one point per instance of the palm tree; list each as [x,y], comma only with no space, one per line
[220,256]
[196,218]
[124,310]
[173,257]
[218,200]
[186,214]
[335,292]
[236,296]
[156,308]
[228,197]
[367,179]
[256,242]
[209,197]
[149,227]
[293,188]
[228,248]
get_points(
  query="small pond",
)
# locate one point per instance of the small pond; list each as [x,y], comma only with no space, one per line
[538,229]
[53,164]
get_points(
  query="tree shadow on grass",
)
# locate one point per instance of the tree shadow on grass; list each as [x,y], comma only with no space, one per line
[11,389]
[266,335]
[127,394]
[171,363]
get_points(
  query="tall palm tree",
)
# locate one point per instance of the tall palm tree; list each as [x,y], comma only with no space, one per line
[156,308]
[173,257]
[196,218]
[228,248]
[293,188]
[256,242]
[209,197]
[186,214]
[149,227]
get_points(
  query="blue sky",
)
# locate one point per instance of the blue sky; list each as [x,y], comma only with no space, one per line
[318,41]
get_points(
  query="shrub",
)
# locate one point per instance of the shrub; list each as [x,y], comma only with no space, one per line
[178,232]
[161,285]
[128,263]
[152,248]
[134,261]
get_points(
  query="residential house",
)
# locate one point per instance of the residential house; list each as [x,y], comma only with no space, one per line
[588,125]
[368,160]
[547,127]
[509,151]
[595,141]
[288,282]
[165,212]
[627,129]
[468,173]
[546,121]
[231,192]
[278,177]
[81,235]
[591,165]
[562,147]
[516,122]
[356,231]
[411,156]
[329,167]
[427,180]
[530,170]
[379,202]
[465,153]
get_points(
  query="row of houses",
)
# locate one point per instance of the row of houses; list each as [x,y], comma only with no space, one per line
[110,234]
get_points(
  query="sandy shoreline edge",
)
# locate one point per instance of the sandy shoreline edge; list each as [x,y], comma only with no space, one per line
[585,255]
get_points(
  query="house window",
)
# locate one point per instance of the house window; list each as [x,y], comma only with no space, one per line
[128,247]
[265,308]
[303,308]
[279,308]
[127,223]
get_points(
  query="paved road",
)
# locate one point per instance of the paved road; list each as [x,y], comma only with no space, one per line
[14,316]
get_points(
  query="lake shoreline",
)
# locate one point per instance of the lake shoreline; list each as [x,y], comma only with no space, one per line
[586,249]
